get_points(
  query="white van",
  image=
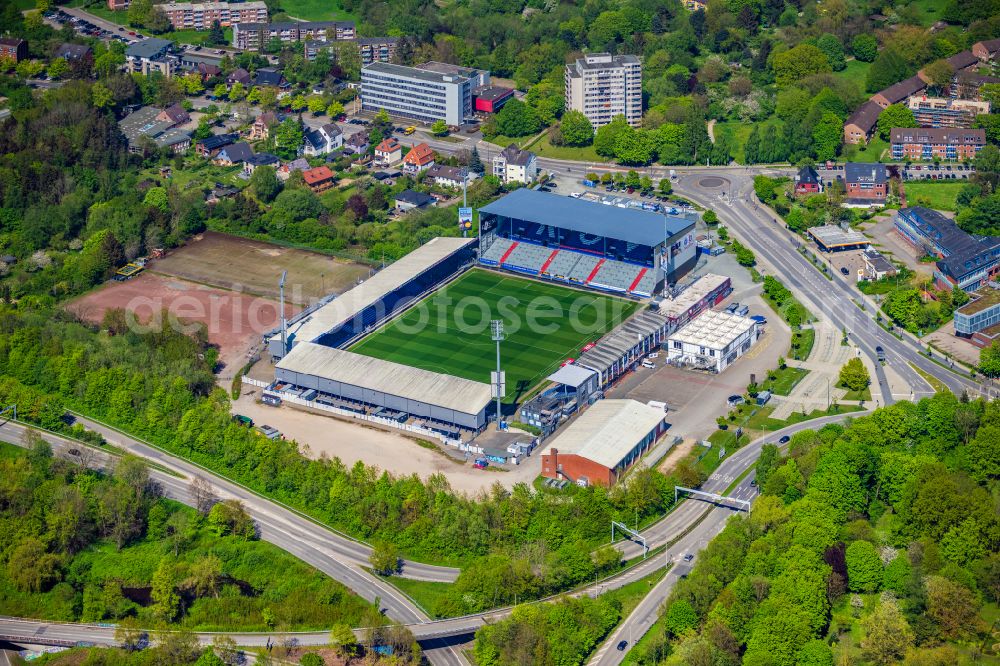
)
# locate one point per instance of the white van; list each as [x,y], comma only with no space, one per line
[646,363]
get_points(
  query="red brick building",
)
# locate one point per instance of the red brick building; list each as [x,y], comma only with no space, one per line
[943,143]
[865,182]
[13,47]
[603,442]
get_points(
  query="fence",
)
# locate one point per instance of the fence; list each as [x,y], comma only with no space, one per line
[389,423]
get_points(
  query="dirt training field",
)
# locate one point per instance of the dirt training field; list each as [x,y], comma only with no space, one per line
[234,321]
[254,267]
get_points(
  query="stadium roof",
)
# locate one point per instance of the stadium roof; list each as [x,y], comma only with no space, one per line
[446,391]
[571,375]
[371,291]
[613,346]
[626,224]
[607,431]
[680,305]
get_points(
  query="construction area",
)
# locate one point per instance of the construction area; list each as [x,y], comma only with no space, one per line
[253,267]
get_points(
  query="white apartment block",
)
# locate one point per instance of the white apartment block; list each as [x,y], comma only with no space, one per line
[201,16]
[603,86]
[513,165]
[433,91]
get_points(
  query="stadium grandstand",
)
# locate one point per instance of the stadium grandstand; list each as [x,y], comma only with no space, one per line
[372,387]
[360,309]
[584,243]
[620,350]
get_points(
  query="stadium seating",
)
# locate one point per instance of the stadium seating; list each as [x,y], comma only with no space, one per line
[646,284]
[494,252]
[562,264]
[527,258]
[583,268]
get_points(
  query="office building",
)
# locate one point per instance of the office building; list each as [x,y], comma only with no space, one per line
[979,319]
[428,93]
[201,16]
[712,341]
[963,259]
[945,112]
[602,86]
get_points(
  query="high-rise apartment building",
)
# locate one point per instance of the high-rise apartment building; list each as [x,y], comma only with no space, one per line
[602,86]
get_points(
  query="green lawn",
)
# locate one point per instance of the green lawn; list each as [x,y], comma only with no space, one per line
[865,395]
[316,10]
[740,131]
[855,71]
[877,148]
[449,331]
[936,194]
[545,149]
[785,380]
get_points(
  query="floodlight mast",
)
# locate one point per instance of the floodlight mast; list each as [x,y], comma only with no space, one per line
[496,328]
[284,327]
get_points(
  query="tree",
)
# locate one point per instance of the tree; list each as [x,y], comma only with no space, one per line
[384,558]
[343,640]
[576,129]
[517,119]
[216,34]
[833,49]
[864,567]
[983,452]
[166,602]
[237,92]
[939,74]
[854,375]
[288,138]
[335,110]
[865,47]
[815,653]
[439,128]
[206,576]
[680,618]
[799,62]
[953,606]
[30,568]
[887,634]
[156,197]
[666,187]
[989,359]
[888,68]
[100,96]
[230,517]
[58,68]
[894,115]
[315,105]
[607,136]
[200,490]
[264,184]
[476,162]
[827,136]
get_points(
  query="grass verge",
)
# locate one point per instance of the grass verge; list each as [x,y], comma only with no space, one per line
[935,383]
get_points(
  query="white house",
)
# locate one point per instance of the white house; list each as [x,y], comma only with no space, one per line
[322,140]
[514,165]
[712,341]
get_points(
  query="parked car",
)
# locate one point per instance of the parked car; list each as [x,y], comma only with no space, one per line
[843,269]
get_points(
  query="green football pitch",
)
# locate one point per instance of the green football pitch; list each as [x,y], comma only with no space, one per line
[449,331]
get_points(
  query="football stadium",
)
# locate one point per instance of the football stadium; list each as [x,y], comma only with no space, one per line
[411,347]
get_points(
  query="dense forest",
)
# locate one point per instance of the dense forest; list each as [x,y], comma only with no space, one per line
[81,545]
[872,543]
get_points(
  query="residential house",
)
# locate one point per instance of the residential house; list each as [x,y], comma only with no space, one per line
[410,199]
[377,49]
[942,143]
[448,176]
[233,154]
[357,143]
[177,140]
[262,124]
[322,140]
[987,50]
[210,146]
[808,181]
[220,192]
[319,179]
[259,160]
[420,158]
[899,92]
[860,126]
[13,47]
[239,75]
[513,165]
[945,112]
[286,170]
[267,76]
[388,152]
[174,114]
[866,184]
[74,53]
[150,55]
